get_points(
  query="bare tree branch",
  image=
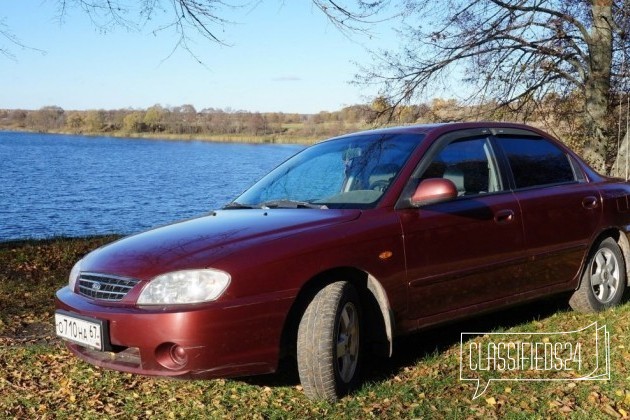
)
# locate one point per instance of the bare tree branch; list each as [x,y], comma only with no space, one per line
[190,19]
[537,8]
[12,41]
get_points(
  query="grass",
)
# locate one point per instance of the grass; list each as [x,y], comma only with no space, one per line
[40,379]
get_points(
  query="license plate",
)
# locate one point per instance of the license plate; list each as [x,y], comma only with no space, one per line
[80,330]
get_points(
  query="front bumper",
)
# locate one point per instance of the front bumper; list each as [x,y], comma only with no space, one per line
[218,339]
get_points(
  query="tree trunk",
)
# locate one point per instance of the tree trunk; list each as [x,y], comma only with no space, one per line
[621,168]
[597,87]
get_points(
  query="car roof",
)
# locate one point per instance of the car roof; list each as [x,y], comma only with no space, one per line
[441,128]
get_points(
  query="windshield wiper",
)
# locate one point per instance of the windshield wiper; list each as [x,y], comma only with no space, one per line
[291,204]
[236,205]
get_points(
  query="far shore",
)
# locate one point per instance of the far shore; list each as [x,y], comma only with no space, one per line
[185,123]
[217,138]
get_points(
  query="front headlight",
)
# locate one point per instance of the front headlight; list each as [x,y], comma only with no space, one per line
[188,286]
[74,275]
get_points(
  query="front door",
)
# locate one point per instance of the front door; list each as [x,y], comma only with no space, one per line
[470,249]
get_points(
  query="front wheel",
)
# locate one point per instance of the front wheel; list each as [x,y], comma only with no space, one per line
[604,281]
[329,342]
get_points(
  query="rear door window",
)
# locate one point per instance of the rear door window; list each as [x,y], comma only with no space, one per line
[537,162]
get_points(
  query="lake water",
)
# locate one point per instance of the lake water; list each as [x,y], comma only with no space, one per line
[58,185]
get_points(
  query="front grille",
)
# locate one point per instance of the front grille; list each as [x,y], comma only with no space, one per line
[104,287]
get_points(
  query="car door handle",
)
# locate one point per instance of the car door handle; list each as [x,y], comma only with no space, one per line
[589,202]
[504,216]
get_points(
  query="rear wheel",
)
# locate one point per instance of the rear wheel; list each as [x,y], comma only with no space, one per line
[329,343]
[604,280]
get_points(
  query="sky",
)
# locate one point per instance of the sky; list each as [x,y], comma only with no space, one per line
[283,56]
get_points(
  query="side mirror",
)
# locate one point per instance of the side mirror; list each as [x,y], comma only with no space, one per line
[433,190]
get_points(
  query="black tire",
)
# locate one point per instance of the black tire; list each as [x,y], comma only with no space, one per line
[604,280]
[328,343]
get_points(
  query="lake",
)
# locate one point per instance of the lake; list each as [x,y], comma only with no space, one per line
[60,185]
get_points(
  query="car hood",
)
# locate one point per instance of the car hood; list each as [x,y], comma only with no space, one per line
[198,243]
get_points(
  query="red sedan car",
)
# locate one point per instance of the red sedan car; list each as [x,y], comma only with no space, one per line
[346,245]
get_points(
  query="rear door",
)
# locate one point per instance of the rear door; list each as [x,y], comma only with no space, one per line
[560,209]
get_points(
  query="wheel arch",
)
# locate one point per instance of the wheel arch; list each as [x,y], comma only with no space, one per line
[621,238]
[376,309]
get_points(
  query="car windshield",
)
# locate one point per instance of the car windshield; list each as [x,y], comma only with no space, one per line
[348,172]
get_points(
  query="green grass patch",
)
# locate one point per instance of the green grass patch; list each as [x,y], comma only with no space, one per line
[40,379]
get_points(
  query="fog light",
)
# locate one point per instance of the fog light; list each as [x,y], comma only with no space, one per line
[178,354]
[171,356]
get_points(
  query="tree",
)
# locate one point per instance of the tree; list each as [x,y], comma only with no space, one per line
[46,118]
[95,120]
[18,117]
[154,118]
[134,122]
[74,122]
[515,52]
[256,124]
